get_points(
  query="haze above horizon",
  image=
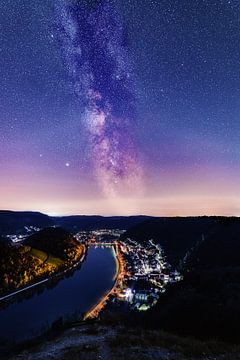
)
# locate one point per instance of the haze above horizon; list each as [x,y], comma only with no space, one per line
[120,107]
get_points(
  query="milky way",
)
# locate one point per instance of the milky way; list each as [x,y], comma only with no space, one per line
[160,79]
[92,43]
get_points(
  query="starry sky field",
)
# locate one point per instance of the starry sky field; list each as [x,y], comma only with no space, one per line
[120,107]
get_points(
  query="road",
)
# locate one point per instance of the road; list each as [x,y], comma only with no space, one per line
[94,312]
[45,280]
[24,289]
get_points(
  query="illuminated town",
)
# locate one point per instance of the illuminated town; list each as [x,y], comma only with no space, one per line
[143,272]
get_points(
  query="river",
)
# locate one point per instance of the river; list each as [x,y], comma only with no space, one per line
[70,298]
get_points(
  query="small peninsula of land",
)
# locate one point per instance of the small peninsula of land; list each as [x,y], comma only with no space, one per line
[38,257]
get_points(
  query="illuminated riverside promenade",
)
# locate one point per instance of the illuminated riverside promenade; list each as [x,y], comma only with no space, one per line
[94,312]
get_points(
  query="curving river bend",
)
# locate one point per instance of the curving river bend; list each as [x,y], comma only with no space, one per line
[70,298]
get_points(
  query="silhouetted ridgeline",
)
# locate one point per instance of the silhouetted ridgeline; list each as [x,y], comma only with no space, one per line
[82,222]
[176,235]
[206,303]
[12,222]
[15,221]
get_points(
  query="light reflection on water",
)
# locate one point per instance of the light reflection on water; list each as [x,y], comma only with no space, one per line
[70,298]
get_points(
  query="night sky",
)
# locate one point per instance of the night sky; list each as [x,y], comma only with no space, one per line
[120,107]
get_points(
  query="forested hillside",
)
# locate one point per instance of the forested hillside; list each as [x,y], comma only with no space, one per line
[41,255]
[206,303]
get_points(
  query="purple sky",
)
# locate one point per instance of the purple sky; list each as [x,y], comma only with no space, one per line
[122,107]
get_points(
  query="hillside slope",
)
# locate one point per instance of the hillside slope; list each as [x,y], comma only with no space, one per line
[176,235]
[14,222]
[206,303]
[39,256]
[91,342]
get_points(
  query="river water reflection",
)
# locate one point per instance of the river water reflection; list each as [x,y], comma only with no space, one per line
[70,298]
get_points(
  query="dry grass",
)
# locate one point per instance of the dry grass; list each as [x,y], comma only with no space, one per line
[79,352]
[102,342]
[54,261]
[41,255]
[139,338]
[92,330]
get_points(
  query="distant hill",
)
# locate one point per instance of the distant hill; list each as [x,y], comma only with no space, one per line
[13,222]
[220,247]
[176,235]
[84,222]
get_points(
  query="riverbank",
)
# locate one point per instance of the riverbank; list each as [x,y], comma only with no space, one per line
[51,278]
[60,302]
[94,312]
